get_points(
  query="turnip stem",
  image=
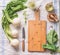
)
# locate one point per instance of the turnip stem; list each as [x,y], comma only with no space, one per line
[9,38]
[7,16]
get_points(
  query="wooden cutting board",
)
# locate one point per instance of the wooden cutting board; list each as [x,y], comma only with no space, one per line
[36,33]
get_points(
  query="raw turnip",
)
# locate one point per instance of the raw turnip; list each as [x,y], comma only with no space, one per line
[15,21]
[15,43]
[14,33]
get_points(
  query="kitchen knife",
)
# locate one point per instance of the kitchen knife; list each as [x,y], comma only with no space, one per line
[23,42]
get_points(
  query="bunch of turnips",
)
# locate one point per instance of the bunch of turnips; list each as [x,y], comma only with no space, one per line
[10,17]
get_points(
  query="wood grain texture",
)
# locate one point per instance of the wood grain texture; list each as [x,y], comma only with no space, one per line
[36,35]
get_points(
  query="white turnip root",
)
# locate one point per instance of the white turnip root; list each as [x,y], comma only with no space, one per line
[14,33]
[15,43]
[16,22]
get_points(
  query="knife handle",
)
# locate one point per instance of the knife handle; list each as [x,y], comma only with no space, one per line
[23,45]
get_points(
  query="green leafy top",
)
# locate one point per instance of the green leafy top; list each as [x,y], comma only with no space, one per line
[9,13]
[52,38]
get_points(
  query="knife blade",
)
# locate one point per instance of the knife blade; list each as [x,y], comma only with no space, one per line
[23,31]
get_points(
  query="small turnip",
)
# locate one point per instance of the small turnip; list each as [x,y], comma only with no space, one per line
[15,43]
[16,22]
[14,33]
